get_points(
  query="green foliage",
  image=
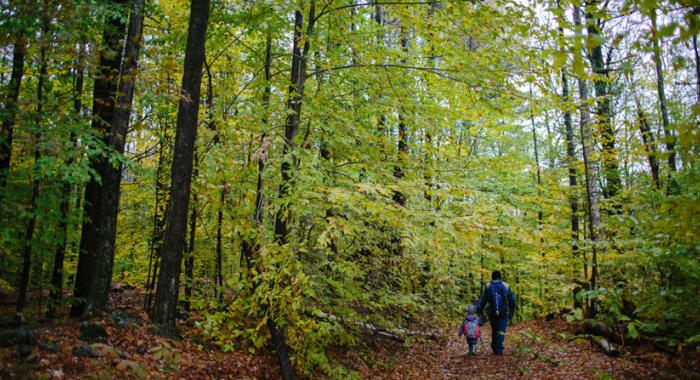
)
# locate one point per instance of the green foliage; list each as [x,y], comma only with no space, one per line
[476,197]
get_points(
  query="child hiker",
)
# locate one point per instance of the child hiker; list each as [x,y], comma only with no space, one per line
[470,329]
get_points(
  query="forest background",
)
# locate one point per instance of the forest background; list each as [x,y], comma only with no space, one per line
[290,168]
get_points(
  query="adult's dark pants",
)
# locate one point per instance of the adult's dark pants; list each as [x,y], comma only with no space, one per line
[498,333]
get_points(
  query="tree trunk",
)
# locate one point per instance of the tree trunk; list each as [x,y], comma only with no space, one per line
[103,110]
[36,137]
[189,250]
[663,105]
[294,106]
[219,278]
[111,176]
[590,166]
[649,145]
[160,212]
[181,174]
[66,190]
[571,158]
[697,66]
[603,102]
[10,109]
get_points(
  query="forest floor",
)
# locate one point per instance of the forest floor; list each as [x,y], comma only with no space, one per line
[534,350]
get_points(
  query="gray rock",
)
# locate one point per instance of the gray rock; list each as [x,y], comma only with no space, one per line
[20,335]
[91,333]
[122,319]
[23,350]
[49,346]
[86,352]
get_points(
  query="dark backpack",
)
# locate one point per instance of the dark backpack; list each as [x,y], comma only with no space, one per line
[498,298]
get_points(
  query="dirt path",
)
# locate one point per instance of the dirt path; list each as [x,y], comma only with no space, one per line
[534,350]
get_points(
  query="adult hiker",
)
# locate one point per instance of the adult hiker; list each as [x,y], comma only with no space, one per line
[499,301]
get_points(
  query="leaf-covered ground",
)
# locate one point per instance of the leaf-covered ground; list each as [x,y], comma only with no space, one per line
[534,350]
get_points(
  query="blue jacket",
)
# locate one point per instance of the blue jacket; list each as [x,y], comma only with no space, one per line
[485,299]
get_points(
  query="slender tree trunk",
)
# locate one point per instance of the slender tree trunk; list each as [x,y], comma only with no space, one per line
[103,110]
[570,157]
[663,105]
[603,101]
[36,136]
[589,166]
[112,173]
[160,212]
[189,250]
[250,247]
[10,108]
[649,145]
[697,66]
[571,161]
[402,145]
[219,278]
[294,106]
[219,247]
[167,289]
[66,191]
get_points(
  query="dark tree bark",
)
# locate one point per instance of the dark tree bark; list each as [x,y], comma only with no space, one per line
[66,192]
[294,106]
[103,109]
[296,91]
[571,161]
[603,102]
[189,250]
[402,145]
[36,137]
[249,247]
[160,212]
[10,109]
[181,174]
[697,66]
[663,104]
[591,172]
[649,145]
[220,211]
[112,173]
[570,157]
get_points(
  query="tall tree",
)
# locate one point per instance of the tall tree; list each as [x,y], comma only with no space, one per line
[66,189]
[167,290]
[570,146]
[590,166]
[300,54]
[11,95]
[44,41]
[661,91]
[601,79]
[112,172]
[103,109]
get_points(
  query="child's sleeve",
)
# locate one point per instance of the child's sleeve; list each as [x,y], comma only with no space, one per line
[461,328]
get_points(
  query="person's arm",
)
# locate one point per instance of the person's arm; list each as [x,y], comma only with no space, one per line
[512,302]
[482,301]
[461,328]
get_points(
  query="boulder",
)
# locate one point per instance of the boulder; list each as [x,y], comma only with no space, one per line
[23,350]
[20,335]
[86,352]
[91,333]
[121,318]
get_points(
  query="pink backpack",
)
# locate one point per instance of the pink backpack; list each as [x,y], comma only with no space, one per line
[471,329]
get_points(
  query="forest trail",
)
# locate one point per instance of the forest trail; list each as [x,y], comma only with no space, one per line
[534,350]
